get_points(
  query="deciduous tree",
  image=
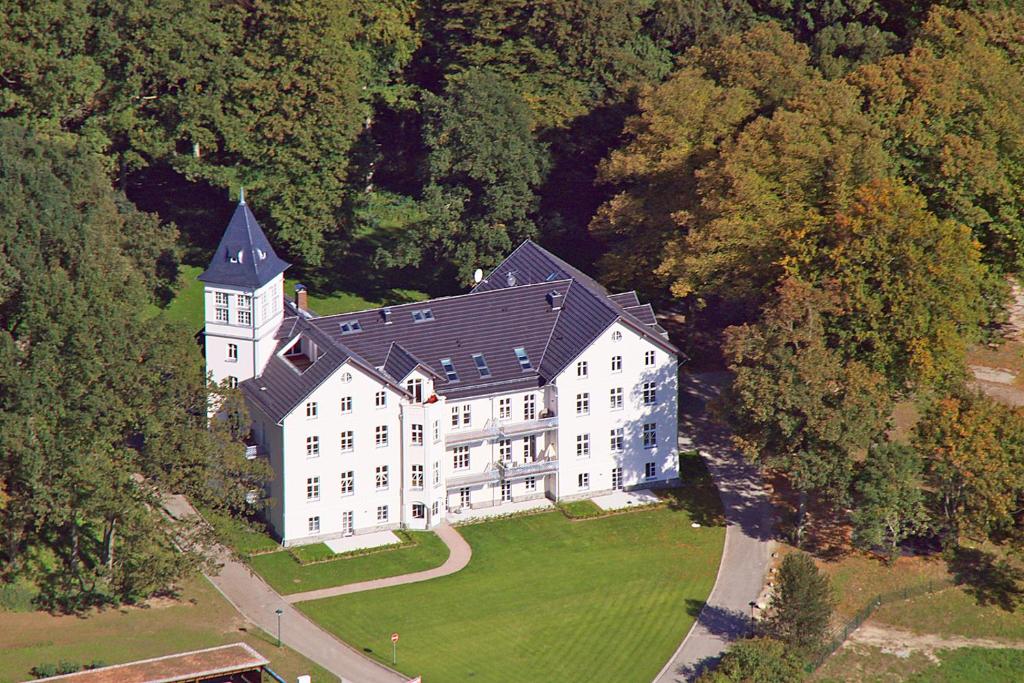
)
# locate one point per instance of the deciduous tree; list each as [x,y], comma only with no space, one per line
[889,502]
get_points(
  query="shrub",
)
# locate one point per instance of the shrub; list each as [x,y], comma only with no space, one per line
[802,604]
[756,660]
[17,596]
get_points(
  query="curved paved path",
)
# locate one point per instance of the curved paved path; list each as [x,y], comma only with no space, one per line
[258,602]
[459,554]
[748,535]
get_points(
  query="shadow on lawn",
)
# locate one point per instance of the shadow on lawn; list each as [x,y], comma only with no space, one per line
[990,580]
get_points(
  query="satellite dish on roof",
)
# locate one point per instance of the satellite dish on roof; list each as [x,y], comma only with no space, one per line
[478,275]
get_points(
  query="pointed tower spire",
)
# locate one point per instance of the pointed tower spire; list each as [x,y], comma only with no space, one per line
[244,257]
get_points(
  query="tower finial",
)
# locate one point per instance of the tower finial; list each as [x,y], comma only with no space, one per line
[241,195]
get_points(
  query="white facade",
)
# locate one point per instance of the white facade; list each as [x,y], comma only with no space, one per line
[240,327]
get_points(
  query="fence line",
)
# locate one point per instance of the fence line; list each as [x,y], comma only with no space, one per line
[840,634]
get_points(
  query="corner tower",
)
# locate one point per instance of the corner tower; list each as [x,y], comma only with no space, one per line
[244,300]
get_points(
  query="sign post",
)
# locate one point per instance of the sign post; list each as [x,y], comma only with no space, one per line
[394,649]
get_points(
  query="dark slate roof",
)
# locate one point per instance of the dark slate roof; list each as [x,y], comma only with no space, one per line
[244,257]
[492,320]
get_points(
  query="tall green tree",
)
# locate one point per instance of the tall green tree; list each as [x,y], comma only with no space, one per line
[482,171]
[796,405]
[801,606]
[889,500]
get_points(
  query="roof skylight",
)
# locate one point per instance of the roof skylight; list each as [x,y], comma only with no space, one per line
[422,315]
[449,370]
[481,365]
[350,327]
[524,360]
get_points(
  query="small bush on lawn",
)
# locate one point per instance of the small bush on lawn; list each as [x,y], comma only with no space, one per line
[581,509]
[18,596]
[62,667]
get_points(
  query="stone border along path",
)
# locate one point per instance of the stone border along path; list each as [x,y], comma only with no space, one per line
[749,543]
[257,602]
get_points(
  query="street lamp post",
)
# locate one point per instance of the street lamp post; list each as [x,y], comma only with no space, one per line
[279,612]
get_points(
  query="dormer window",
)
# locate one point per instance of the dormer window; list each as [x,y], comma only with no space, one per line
[350,327]
[449,370]
[422,315]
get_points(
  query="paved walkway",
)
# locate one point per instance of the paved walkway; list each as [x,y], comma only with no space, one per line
[459,553]
[748,536]
[258,602]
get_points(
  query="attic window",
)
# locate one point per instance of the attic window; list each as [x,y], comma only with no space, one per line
[524,360]
[350,327]
[481,365]
[422,315]
[449,370]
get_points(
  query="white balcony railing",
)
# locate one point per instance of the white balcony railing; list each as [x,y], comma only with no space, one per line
[496,429]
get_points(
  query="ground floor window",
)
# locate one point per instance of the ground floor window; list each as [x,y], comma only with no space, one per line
[348,523]
[531,483]
[419,511]
[617,478]
[650,470]
[506,491]
[382,513]
[434,509]
[464,497]
[314,525]
[584,480]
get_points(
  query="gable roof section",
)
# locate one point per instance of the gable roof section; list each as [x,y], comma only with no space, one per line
[625,299]
[244,257]
[399,363]
[530,264]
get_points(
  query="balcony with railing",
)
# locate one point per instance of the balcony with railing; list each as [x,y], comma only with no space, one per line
[503,429]
[509,469]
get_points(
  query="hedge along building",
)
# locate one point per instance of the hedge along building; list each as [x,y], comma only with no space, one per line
[537,383]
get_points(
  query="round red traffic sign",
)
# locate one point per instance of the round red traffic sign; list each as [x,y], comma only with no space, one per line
[394,637]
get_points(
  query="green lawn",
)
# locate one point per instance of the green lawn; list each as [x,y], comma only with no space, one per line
[286,575]
[974,665]
[545,599]
[187,305]
[201,618]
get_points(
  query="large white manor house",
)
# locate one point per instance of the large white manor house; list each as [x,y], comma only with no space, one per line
[537,383]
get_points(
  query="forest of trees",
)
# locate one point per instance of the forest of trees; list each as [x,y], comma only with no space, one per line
[831,192]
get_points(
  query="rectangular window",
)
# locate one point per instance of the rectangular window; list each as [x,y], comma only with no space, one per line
[348,522]
[583,445]
[524,360]
[466,417]
[437,473]
[422,316]
[221,301]
[449,370]
[615,398]
[481,365]
[616,478]
[529,448]
[437,431]
[650,394]
[583,404]
[460,457]
[348,441]
[382,513]
[504,408]
[531,483]
[618,439]
[529,407]
[582,369]
[313,488]
[348,483]
[232,352]
[313,524]
[415,387]
[232,381]
[506,491]
[505,450]
[464,496]
[650,470]
[381,477]
[583,479]
[380,399]
[417,477]
[648,358]
[616,363]
[245,317]
[311,409]
[222,315]
[417,434]
[650,434]
[346,405]
[419,511]
[434,508]
[312,446]
[264,308]
[221,298]
[380,436]
[455,417]
[245,302]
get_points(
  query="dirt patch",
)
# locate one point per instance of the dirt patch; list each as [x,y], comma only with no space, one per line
[904,643]
[994,375]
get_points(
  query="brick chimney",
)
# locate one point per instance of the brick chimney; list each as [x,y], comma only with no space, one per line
[555,299]
[301,300]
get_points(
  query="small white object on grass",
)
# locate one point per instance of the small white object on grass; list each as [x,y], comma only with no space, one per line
[695,525]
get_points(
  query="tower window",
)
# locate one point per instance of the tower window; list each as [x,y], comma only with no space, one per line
[232,352]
